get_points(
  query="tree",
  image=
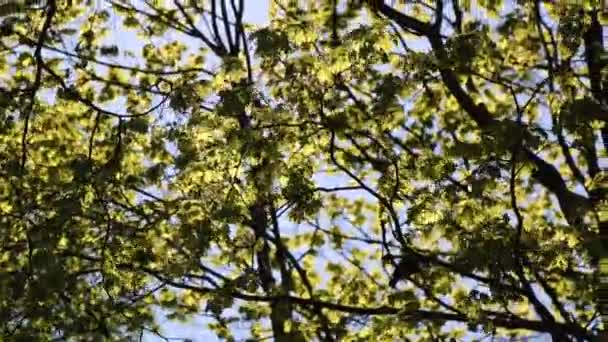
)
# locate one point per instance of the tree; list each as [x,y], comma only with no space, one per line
[346,172]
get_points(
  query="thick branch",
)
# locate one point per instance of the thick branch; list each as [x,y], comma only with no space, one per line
[546,173]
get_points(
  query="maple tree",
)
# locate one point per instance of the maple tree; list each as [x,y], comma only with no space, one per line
[344,172]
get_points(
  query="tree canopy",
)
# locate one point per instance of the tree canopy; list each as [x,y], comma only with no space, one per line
[346,172]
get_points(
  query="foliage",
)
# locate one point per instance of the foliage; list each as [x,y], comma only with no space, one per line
[281,177]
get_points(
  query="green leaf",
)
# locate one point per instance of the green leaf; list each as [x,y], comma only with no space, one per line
[138,124]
